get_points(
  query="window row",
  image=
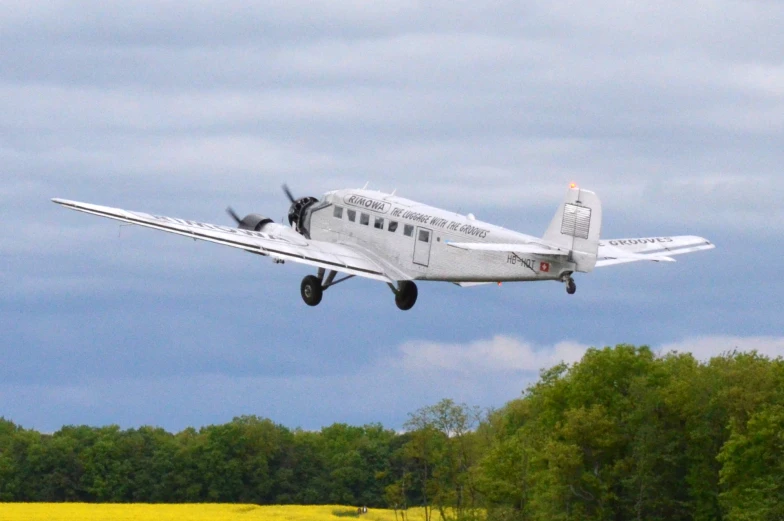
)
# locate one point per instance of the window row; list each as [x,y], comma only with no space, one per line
[378,222]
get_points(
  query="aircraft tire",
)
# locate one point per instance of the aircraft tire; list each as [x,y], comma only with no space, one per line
[406,296]
[311,290]
[571,287]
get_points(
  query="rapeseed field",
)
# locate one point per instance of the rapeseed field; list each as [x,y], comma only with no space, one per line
[191,512]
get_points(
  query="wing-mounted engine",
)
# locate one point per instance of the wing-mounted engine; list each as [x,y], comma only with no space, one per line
[299,219]
[253,221]
[259,223]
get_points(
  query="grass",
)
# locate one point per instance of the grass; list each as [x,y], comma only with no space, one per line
[190,512]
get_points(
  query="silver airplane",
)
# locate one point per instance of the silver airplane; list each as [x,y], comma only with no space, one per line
[388,238]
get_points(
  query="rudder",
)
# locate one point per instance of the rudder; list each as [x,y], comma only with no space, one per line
[577,226]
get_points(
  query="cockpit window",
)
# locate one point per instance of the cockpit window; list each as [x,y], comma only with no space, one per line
[338,212]
[364,219]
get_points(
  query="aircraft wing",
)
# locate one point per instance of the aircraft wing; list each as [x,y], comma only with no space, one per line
[522,248]
[289,247]
[657,249]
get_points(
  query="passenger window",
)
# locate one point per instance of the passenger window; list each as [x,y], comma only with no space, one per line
[338,212]
[408,230]
[392,226]
[424,236]
[364,219]
[352,215]
[379,223]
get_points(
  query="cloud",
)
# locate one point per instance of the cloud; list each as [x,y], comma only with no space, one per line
[706,347]
[500,354]
[506,354]
[486,372]
[671,112]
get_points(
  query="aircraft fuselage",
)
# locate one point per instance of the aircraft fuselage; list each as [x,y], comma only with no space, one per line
[414,238]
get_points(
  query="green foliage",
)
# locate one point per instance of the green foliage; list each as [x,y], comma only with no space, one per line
[753,467]
[441,452]
[625,434]
[622,434]
[343,512]
[248,460]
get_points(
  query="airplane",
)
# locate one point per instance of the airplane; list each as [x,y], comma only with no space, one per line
[384,237]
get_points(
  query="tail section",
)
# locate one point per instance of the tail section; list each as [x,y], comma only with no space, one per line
[577,226]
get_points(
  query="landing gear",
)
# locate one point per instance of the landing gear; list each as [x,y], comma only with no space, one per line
[311,290]
[571,287]
[313,286]
[405,294]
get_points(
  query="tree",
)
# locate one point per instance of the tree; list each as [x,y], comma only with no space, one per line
[622,434]
[443,450]
[8,469]
[752,471]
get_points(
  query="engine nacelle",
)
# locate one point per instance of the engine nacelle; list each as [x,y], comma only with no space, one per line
[258,223]
[253,222]
[284,232]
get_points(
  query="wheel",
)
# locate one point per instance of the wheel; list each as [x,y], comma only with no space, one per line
[406,296]
[311,290]
[571,287]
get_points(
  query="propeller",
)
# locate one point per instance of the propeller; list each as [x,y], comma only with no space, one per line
[233,214]
[288,193]
[296,207]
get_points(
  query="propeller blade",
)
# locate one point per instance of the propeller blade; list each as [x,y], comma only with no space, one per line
[288,193]
[233,214]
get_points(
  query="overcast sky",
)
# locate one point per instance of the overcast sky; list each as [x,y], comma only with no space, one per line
[673,112]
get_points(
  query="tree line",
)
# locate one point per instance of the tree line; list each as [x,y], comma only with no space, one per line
[623,434]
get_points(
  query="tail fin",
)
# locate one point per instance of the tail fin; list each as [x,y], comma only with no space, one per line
[577,226]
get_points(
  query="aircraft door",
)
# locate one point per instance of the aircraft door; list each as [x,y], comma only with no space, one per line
[422,242]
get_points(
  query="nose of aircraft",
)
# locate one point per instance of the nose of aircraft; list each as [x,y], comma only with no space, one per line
[298,206]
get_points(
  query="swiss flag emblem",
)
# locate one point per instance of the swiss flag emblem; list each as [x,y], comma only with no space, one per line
[544,267]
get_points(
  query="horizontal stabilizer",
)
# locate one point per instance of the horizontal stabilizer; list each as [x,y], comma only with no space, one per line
[524,248]
[657,249]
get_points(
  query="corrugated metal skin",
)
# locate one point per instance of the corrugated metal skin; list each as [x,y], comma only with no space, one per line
[576,221]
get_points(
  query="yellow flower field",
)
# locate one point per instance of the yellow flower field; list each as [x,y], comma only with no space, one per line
[198,512]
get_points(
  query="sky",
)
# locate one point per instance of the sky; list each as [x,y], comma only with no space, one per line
[672,112]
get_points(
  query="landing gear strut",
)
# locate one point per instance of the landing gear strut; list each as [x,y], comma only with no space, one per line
[405,294]
[313,286]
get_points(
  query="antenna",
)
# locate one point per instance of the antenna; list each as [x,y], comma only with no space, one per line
[366,184]
[394,192]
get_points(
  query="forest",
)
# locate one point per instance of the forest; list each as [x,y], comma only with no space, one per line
[623,434]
